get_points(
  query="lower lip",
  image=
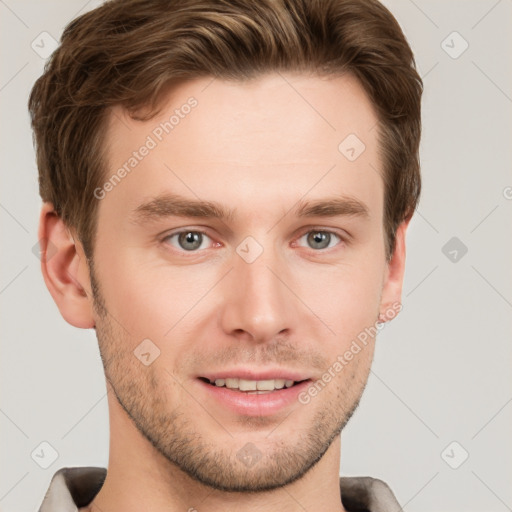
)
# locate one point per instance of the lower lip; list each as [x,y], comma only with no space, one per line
[253,404]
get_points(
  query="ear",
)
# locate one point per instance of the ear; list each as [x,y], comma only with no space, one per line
[65,270]
[391,297]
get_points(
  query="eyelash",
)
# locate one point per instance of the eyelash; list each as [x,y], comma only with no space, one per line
[341,239]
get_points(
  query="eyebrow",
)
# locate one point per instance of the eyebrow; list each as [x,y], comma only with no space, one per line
[173,205]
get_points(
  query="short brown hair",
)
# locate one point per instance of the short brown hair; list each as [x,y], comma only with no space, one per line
[127,52]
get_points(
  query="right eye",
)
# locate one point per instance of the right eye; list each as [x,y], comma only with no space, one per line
[187,240]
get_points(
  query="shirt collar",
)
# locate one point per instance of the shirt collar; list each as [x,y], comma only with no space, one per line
[73,488]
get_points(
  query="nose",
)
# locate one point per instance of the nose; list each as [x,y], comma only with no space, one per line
[257,303]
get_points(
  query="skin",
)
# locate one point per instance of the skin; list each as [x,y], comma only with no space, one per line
[257,147]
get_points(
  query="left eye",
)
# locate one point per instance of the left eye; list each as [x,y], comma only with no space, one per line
[320,239]
[188,240]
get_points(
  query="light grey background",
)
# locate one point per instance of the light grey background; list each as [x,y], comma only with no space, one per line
[442,369]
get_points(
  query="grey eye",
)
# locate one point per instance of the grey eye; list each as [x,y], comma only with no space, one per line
[320,239]
[190,240]
[187,240]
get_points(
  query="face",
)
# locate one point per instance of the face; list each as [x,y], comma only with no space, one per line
[253,287]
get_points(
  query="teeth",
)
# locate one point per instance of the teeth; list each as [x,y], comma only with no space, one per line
[254,385]
[267,385]
[246,385]
[279,383]
[231,383]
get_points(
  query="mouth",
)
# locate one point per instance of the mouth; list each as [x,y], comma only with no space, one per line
[246,393]
[252,387]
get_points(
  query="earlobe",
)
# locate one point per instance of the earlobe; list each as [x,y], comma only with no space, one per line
[65,269]
[392,288]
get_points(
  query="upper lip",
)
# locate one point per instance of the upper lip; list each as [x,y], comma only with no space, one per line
[248,374]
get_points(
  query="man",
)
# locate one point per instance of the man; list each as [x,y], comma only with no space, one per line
[227,187]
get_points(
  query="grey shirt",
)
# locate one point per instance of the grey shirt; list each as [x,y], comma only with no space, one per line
[72,488]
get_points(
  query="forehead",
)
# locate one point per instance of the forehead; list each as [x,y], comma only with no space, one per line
[269,139]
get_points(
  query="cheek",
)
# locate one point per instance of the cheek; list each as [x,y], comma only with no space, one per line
[345,297]
[152,298]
